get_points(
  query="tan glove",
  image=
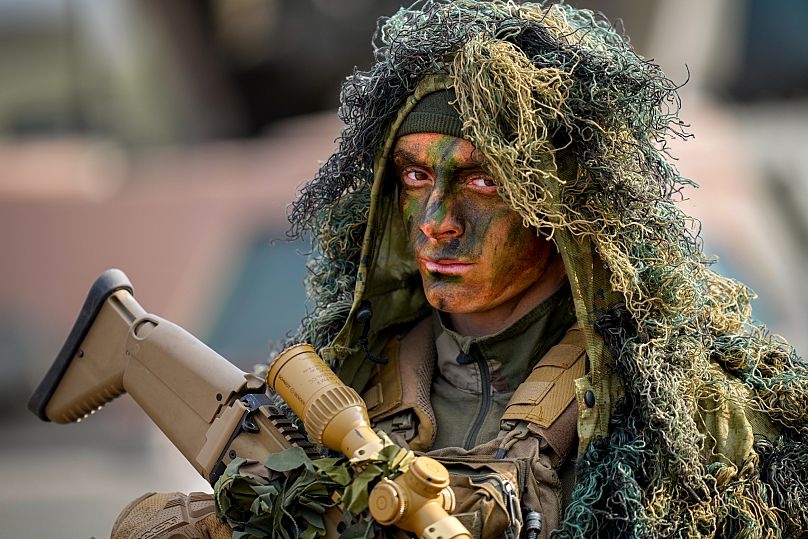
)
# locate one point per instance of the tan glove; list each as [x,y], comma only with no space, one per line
[171,515]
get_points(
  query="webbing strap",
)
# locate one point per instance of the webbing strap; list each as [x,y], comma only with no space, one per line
[404,384]
[550,387]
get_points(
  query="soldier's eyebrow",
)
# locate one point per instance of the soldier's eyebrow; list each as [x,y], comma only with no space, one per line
[403,156]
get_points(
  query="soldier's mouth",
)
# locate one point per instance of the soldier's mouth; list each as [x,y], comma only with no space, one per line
[445,266]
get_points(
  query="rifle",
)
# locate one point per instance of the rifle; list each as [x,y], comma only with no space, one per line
[213,412]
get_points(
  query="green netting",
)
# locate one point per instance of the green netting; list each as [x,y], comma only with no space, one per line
[288,495]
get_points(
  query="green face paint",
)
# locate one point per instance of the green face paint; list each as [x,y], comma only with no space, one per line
[472,249]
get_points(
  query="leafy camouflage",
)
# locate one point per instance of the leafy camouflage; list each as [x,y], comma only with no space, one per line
[288,495]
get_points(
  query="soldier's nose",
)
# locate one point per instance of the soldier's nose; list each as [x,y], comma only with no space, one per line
[441,220]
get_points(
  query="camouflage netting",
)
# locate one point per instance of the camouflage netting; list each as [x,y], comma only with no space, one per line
[289,495]
[573,125]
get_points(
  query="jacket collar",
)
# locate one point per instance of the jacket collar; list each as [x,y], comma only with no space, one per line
[511,352]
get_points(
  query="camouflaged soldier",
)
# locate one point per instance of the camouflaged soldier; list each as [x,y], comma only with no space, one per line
[500,270]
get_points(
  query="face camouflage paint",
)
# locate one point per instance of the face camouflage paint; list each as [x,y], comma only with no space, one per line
[473,251]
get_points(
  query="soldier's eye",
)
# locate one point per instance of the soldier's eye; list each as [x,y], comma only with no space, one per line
[483,182]
[414,177]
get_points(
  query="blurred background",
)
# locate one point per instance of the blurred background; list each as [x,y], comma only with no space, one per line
[167,138]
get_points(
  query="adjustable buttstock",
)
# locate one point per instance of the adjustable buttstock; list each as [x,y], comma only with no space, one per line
[95,376]
[88,372]
[207,407]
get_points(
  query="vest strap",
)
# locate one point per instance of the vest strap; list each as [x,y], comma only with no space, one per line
[546,399]
[405,383]
[550,388]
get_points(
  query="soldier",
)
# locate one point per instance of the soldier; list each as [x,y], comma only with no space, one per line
[501,272]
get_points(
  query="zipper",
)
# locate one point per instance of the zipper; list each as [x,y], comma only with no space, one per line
[485,403]
[509,497]
[513,504]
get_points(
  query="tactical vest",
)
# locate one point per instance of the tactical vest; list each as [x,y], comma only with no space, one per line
[510,485]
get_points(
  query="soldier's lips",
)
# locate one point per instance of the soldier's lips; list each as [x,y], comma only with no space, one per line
[445,266]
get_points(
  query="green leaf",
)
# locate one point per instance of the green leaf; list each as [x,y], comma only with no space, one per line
[356,494]
[313,518]
[335,469]
[262,490]
[287,460]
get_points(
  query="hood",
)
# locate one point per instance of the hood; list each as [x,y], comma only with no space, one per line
[389,281]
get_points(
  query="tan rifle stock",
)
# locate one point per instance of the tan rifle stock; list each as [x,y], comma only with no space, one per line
[213,412]
[210,410]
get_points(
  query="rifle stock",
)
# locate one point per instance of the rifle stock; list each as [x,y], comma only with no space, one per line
[209,409]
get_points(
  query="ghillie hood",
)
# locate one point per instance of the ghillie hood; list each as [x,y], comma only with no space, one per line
[573,124]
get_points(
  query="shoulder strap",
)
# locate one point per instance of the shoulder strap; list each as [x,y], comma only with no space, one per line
[546,399]
[404,383]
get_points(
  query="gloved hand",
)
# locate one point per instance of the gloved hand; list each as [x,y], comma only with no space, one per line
[164,515]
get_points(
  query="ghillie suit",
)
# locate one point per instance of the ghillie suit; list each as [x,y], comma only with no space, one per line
[698,424]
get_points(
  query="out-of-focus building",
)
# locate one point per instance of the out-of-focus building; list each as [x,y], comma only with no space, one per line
[166,138]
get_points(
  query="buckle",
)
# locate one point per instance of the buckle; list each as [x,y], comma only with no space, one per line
[405,424]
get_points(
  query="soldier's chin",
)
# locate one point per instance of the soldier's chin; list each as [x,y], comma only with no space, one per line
[450,298]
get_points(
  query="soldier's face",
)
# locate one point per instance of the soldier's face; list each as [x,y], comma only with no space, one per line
[473,251]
